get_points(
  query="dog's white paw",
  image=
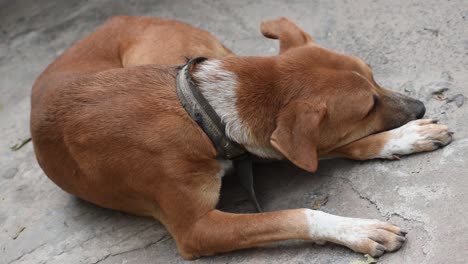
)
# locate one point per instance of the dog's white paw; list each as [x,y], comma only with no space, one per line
[416,136]
[367,236]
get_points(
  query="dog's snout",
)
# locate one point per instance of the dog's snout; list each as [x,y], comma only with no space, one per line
[420,109]
[400,109]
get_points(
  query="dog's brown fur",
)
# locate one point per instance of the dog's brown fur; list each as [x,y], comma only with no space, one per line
[108,127]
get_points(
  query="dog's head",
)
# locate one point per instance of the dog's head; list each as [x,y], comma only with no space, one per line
[332,99]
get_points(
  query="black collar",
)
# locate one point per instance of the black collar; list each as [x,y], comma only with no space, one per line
[203,113]
[205,116]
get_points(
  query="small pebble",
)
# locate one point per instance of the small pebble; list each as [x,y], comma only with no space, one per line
[318,199]
[459,99]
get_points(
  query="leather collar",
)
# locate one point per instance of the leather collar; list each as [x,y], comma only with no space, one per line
[204,115]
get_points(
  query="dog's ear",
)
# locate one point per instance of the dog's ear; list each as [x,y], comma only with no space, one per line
[289,34]
[297,133]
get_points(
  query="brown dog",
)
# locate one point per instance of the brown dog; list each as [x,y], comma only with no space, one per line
[108,126]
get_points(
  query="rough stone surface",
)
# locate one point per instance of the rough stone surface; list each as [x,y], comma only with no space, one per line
[416,47]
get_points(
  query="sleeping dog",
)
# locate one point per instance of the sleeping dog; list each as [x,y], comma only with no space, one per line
[117,121]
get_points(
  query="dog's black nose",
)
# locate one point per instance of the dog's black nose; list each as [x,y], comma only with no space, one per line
[420,109]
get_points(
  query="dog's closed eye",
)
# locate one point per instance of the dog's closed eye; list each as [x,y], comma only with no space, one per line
[376,100]
[374,105]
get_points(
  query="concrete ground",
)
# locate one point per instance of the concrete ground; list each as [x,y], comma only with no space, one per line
[417,47]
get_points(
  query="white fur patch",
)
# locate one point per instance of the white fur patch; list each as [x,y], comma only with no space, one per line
[226,165]
[219,87]
[416,136]
[344,230]
[402,141]
[368,236]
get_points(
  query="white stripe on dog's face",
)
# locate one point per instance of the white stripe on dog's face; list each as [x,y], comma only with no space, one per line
[416,136]
[219,86]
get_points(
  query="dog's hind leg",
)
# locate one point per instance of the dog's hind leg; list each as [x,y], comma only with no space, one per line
[416,136]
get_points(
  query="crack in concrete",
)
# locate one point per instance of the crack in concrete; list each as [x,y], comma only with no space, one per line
[377,207]
[27,253]
[93,236]
[80,244]
[133,234]
[161,239]
[391,214]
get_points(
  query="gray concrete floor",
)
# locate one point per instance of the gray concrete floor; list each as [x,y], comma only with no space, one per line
[416,47]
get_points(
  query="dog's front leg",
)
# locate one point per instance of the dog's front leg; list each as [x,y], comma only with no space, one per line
[218,232]
[416,136]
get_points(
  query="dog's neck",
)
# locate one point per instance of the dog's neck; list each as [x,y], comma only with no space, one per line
[241,91]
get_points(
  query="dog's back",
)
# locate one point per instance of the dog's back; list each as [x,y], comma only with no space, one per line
[100,103]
